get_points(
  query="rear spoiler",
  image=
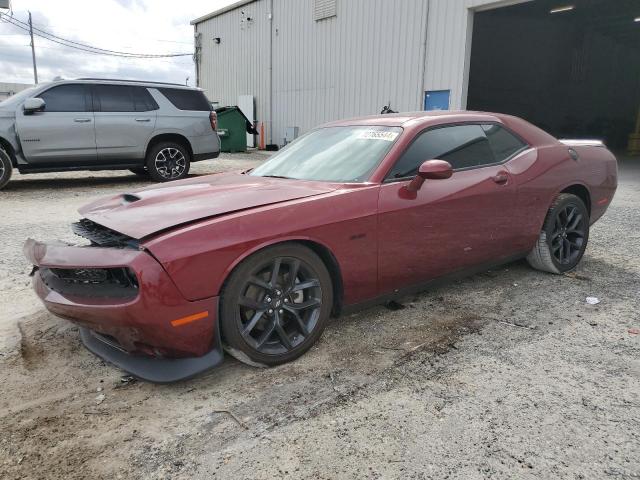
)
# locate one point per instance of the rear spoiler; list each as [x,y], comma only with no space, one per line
[582,143]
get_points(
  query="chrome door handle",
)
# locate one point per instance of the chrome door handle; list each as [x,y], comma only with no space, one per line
[143,119]
[81,120]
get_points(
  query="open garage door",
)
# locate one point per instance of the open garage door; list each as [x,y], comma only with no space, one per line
[572,68]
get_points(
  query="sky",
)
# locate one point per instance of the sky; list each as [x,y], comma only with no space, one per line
[140,26]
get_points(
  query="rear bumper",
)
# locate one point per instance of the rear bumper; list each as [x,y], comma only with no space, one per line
[139,332]
[205,146]
[205,156]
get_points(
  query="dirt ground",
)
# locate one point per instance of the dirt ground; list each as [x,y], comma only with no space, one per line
[507,374]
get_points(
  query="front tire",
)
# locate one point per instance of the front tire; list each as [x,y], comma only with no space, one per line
[168,161]
[5,168]
[276,304]
[564,236]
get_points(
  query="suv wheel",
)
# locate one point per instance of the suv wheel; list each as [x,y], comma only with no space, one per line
[5,168]
[168,161]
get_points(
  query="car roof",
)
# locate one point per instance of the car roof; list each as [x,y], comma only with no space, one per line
[117,81]
[404,119]
[420,120]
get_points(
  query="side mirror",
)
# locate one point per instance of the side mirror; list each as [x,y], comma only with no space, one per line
[430,170]
[32,105]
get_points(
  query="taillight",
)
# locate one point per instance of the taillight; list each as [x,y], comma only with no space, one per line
[213,118]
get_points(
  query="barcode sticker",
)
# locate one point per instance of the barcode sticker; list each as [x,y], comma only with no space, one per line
[378,135]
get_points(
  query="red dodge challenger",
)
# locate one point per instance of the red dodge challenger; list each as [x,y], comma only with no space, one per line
[353,213]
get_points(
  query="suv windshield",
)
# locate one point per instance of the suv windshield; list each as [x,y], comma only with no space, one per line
[332,154]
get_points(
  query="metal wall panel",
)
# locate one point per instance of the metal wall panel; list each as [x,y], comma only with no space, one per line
[348,65]
[371,53]
[239,64]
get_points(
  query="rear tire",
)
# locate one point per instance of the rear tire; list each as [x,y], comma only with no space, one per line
[6,168]
[168,161]
[564,236]
[272,318]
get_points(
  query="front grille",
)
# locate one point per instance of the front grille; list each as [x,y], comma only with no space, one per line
[118,282]
[102,236]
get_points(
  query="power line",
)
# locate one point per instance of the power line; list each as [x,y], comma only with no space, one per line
[59,48]
[83,46]
[53,30]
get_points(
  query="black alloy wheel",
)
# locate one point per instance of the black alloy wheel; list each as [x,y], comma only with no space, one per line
[564,236]
[568,237]
[276,304]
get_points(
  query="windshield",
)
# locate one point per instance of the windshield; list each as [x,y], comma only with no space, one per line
[332,154]
[18,97]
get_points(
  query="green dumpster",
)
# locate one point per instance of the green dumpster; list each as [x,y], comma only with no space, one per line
[233,127]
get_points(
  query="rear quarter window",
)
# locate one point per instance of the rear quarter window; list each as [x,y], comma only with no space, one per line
[503,143]
[187,99]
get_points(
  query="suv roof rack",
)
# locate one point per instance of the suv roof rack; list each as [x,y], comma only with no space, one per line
[131,81]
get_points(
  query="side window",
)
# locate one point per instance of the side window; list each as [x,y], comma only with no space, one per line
[463,146]
[184,99]
[503,143]
[143,101]
[114,98]
[65,98]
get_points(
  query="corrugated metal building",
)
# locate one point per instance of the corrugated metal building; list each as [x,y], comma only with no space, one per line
[306,62]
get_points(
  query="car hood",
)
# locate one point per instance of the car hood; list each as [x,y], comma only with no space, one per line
[151,210]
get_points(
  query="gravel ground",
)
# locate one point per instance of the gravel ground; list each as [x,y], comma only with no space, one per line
[507,374]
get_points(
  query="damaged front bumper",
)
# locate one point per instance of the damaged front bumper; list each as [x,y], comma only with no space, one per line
[129,310]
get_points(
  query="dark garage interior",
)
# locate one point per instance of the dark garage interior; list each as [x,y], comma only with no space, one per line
[571,68]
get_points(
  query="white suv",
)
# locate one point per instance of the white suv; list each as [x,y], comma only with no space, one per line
[150,128]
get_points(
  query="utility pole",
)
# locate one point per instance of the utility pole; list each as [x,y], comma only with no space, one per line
[33,52]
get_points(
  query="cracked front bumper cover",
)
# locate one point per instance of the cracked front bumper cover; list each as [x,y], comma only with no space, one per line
[136,332]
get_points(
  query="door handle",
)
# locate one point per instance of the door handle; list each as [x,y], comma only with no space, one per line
[143,119]
[501,178]
[81,120]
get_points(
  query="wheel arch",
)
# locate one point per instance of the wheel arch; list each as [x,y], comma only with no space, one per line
[580,191]
[169,137]
[7,147]
[319,248]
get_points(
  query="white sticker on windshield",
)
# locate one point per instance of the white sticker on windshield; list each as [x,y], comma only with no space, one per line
[378,135]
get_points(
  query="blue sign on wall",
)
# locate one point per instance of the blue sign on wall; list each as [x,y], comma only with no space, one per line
[437,100]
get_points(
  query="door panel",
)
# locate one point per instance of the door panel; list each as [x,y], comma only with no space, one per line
[125,118]
[448,225]
[453,224]
[57,136]
[123,135]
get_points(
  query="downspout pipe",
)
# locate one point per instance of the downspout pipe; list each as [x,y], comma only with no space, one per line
[424,57]
[270,72]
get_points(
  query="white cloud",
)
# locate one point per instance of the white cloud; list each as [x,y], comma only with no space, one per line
[139,26]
